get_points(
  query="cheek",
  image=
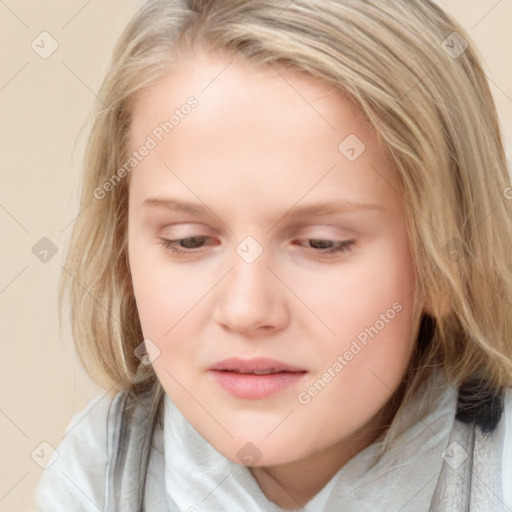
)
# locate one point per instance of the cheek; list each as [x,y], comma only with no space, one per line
[385,324]
[359,372]
[371,309]
[165,309]
[352,297]
[163,294]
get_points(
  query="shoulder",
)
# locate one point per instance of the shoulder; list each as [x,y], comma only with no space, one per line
[507,450]
[76,478]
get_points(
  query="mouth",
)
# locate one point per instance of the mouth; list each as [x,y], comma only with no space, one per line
[258,366]
[258,372]
[255,378]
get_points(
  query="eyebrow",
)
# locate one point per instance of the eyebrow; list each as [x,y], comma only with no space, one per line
[314,209]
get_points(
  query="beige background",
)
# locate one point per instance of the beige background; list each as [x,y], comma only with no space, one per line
[43,105]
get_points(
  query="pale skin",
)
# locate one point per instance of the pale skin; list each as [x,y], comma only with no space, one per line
[250,154]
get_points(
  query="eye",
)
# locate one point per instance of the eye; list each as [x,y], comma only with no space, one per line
[190,243]
[323,246]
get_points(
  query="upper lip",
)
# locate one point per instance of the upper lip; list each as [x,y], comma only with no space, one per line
[235,364]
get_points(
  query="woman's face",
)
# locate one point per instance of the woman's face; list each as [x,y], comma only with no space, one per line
[293,263]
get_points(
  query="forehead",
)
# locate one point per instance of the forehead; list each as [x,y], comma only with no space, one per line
[253,129]
[233,90]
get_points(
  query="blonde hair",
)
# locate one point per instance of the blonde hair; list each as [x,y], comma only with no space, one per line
[403,63]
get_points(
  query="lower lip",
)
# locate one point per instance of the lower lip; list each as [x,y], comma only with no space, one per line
[255,387]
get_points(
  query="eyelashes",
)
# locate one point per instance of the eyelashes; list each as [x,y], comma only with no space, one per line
[171,244]
[337,245]
[318,246]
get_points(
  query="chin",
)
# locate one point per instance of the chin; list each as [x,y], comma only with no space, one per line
[259,452]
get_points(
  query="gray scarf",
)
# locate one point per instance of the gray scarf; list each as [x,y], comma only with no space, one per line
[444,454]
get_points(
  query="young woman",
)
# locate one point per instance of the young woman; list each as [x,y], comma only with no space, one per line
[293,265]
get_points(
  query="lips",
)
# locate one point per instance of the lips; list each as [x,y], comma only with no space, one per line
[255,379]
[259,366]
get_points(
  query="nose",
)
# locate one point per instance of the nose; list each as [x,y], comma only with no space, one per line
[251,299]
